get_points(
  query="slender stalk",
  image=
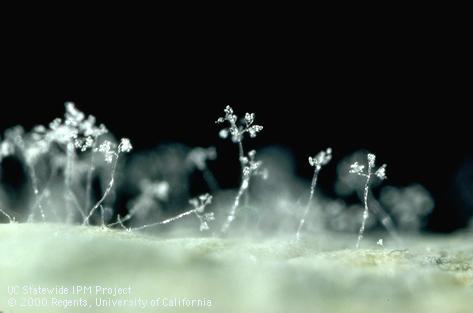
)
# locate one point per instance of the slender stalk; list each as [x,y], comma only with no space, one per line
[33,177]
[34,185]
[366,210]
[71,199]
[120,222]
[231,216]
[311,196]
[38,203]
[241,154]
[10,219]
[167,221]
[243,187]
[107,191]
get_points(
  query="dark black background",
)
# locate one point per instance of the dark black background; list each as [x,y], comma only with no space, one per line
[399,95]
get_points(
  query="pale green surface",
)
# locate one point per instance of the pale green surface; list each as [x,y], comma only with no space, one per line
[255,276]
